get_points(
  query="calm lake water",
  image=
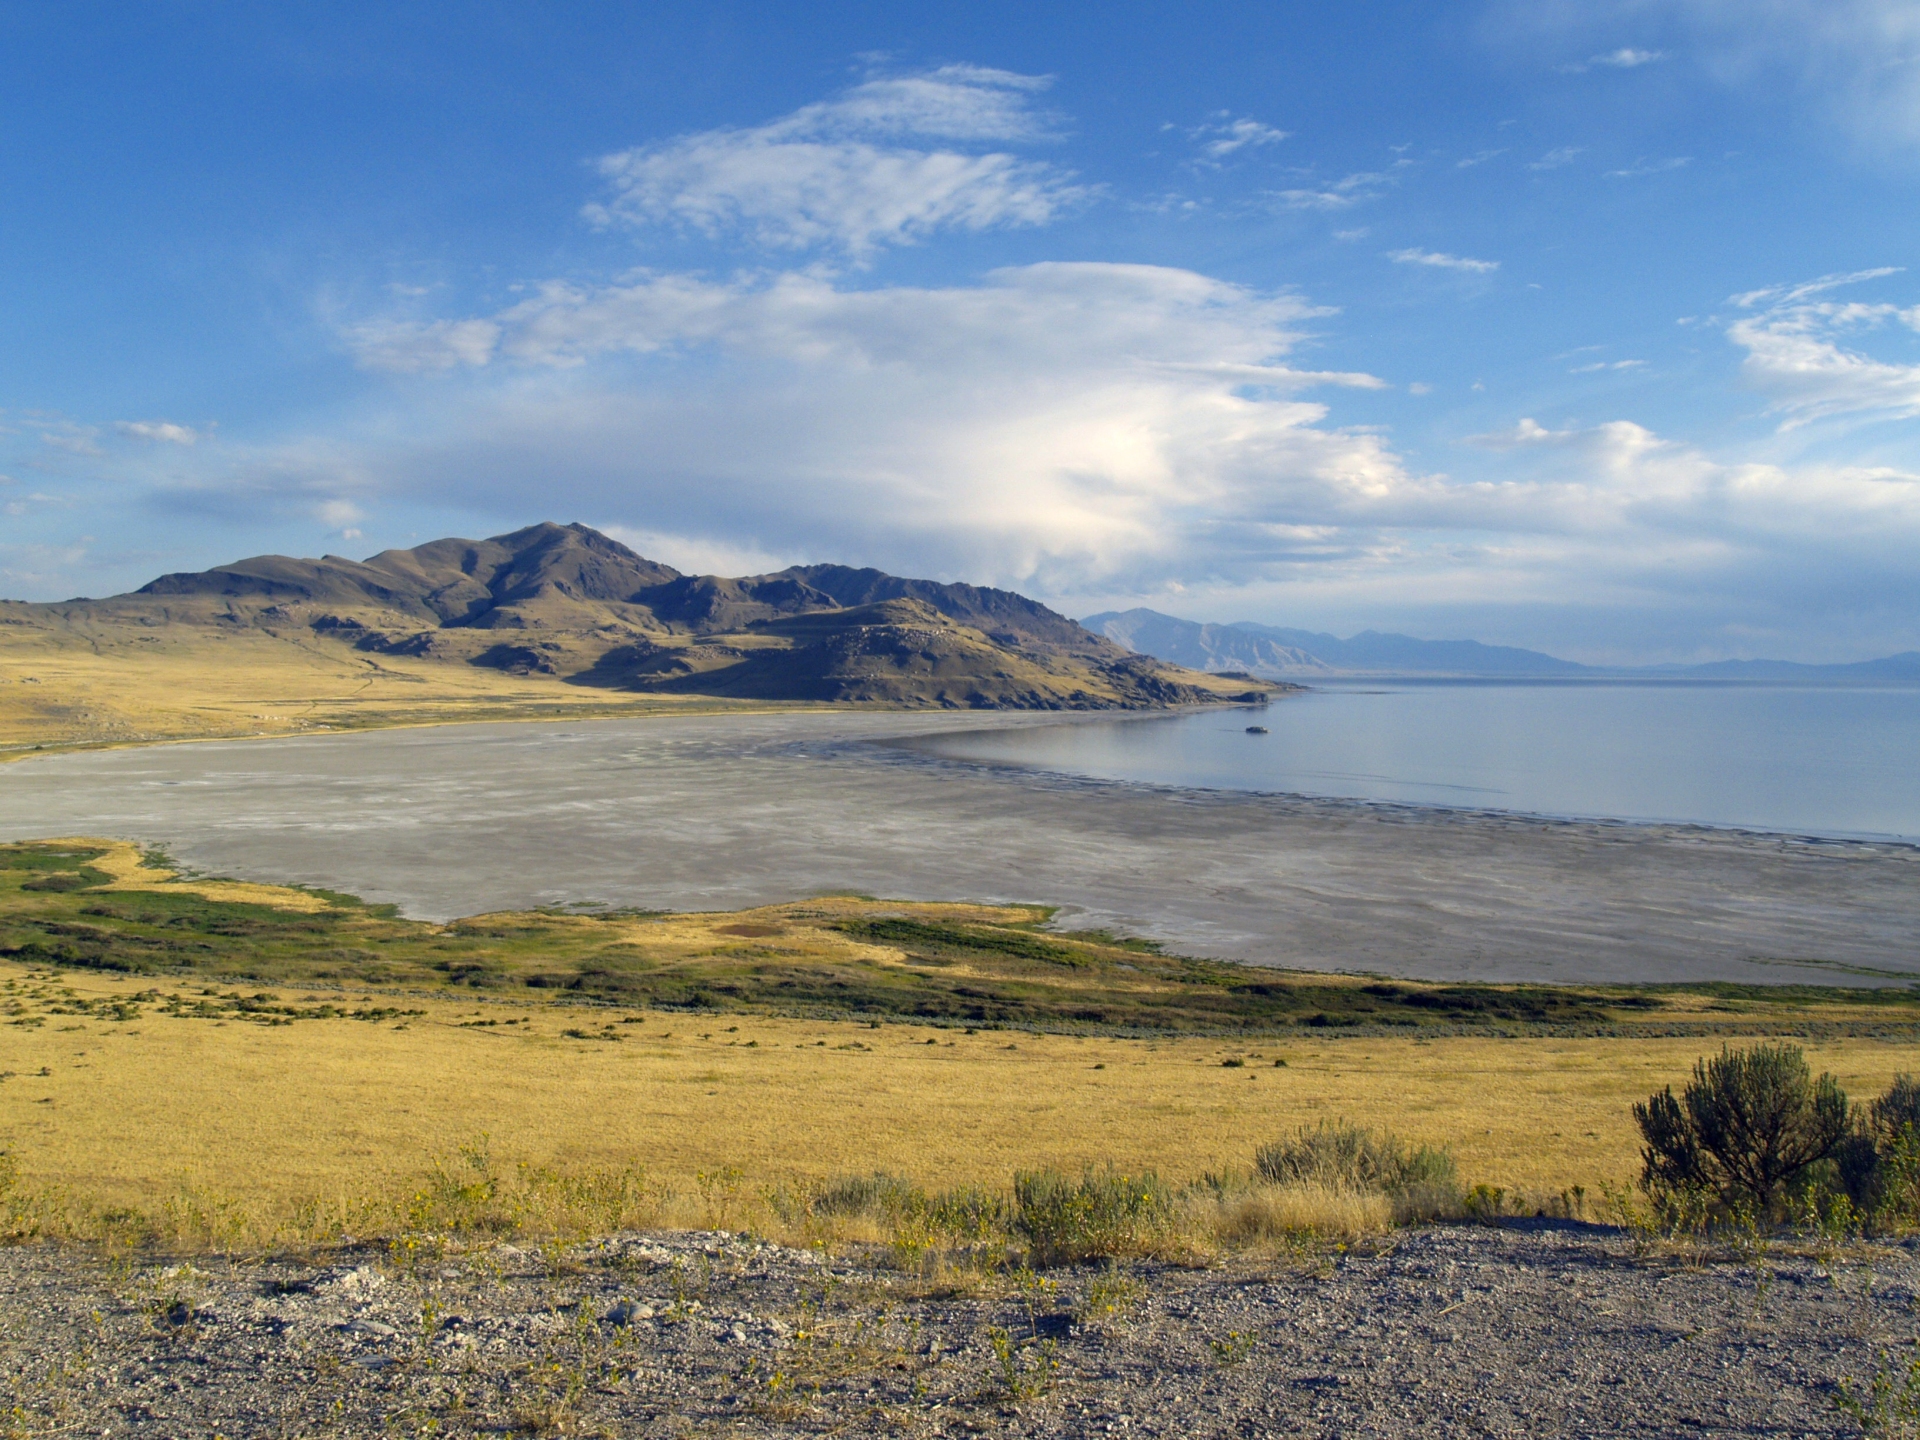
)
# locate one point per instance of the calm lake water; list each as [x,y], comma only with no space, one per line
[1825,760]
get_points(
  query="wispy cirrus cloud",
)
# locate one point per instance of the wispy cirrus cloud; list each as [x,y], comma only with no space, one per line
[1440,260]
[862,171]
[1804,351]
[1224,135]
[1554,159]
[1342,194]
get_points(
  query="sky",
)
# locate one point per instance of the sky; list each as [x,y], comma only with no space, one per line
[1591,327]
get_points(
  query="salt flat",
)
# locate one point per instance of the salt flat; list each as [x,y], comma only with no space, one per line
[723,812]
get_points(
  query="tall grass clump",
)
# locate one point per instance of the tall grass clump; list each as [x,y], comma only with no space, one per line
[968,1226]
[1337,1158]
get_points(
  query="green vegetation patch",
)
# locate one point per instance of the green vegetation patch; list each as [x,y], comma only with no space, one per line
[967,939]
[797,960]
[52,869]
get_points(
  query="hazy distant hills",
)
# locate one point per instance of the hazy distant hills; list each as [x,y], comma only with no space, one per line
[569,602]
[1272,651]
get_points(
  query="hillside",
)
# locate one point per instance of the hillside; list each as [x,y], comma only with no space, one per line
[549,619]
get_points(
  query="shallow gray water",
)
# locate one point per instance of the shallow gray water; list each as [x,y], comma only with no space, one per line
[1807,760]
[722,812]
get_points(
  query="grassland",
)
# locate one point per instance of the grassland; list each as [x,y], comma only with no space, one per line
[169,1037]
[116,685]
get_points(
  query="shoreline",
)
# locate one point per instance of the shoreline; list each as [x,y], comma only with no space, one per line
[742,810]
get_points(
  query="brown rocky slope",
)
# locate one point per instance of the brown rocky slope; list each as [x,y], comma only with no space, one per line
[572,604]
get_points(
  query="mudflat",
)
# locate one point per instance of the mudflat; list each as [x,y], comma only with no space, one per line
[727,812]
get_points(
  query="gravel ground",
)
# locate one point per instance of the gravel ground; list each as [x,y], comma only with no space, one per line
[1538,1328]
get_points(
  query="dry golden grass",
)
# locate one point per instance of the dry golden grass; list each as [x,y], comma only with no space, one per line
[115,685]
[273,1115]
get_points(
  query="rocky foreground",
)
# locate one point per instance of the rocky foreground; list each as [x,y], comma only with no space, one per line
[1540,1328]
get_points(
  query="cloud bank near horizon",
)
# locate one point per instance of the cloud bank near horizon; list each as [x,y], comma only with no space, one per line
[1091,431]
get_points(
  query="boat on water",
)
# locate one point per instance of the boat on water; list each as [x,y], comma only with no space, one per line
[1256,729]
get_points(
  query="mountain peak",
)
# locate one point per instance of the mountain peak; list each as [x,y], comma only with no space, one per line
[570,602]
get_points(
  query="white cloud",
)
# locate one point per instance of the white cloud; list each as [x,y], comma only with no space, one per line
[1478,158]
[341,515]
[1625,58]
[1439,260]
[164,430]
[1599,365]
[1223,135]
[1072,428]
[403,345]
[1341,194]
[1802,350]
[1554,159]
[840,174]
[1058,420]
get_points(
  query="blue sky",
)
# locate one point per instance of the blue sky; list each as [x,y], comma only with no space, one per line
[1591,327]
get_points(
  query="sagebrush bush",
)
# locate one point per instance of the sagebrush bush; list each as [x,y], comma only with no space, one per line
[1337,1155]
[1749,1124]
[1897,1111]
[1879,1164]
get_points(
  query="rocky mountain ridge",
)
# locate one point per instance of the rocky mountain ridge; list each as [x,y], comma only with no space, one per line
[569,602]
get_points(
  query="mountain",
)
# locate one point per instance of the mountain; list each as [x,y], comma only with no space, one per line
[572,604]
[1270,650]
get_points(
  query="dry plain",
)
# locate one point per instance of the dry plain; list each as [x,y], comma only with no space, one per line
[268,1116]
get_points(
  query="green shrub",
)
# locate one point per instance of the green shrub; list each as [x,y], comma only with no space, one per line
[1749,1124]
[1896,1111]
[1343,1156]
[1099,1215]
[1879,1164]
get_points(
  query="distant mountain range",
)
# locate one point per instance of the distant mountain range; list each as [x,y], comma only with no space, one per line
[1273,652]
[568,602]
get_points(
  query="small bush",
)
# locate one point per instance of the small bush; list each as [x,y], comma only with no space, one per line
[1096,1216]
[1897,1111]
[1879,1164]
[1748,1124]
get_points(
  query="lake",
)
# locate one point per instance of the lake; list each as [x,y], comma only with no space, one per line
[726,811]
[1809,760]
